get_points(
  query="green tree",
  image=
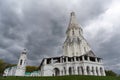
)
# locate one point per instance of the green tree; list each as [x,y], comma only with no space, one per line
[110,73]
[31,68]
[4,65]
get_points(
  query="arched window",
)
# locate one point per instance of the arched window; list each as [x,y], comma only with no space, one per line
[93,73]
[78,68]
[56,71]
[88,70]
[97,70]
[82,70]
[70,71]
[21,62]
[101,71]
[73,32]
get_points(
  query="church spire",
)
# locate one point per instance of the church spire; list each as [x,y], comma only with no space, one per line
[73,21]
[75,44]
[72,18]
[73,24]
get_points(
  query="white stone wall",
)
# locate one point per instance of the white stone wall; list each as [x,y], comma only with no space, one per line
[10,71]
[89,68]
[76,49]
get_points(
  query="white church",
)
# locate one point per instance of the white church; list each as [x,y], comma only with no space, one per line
[77,58]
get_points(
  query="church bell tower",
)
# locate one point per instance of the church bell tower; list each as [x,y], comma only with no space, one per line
[21,66]
[75,44]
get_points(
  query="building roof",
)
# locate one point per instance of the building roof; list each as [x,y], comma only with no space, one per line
[27,73]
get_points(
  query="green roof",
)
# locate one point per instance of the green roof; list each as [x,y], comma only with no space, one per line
[27,73]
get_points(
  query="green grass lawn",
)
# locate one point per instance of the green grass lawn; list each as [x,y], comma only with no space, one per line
[62,78]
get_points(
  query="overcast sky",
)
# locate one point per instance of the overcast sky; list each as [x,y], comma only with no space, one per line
[40,25]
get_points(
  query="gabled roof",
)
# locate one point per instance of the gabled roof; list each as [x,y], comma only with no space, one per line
[91,54]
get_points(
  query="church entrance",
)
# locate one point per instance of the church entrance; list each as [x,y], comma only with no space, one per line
[56,72]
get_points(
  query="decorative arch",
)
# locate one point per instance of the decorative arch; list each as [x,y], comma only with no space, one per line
[78,69]
[97,70]
[70,70]
[56,72]
[82,70]
[88,70]
[101,71]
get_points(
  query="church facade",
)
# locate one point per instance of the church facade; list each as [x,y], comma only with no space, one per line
[77,59]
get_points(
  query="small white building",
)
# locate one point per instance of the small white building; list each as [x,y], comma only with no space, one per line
[77,59]
[10,71]
[18,70]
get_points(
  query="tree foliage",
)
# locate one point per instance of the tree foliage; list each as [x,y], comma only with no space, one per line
[110,73]
[31,68]
[4,65]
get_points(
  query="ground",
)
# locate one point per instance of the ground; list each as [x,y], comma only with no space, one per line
[62,78]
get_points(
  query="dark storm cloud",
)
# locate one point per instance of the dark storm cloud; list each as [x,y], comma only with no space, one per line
[39,26]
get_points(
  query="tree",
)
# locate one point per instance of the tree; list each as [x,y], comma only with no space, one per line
[4,65]
[31,68]
[110,73]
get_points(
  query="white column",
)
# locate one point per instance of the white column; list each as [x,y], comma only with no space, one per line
[83,58]
[76,71]
[80,71]
[104,72]
[67,71]
[88,58]
[96,60]
[63,72]
[99,72]
[73,71]
[66,59]
[95,73]
[60,59]
[51,60]
[90,71]
[63,59]
[75,59]
[84,69]
[60,73]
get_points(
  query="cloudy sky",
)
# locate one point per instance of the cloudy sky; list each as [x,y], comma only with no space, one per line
[40,25]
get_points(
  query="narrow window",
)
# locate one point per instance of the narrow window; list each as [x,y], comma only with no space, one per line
[21,62]
[73,32]
[84,49]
